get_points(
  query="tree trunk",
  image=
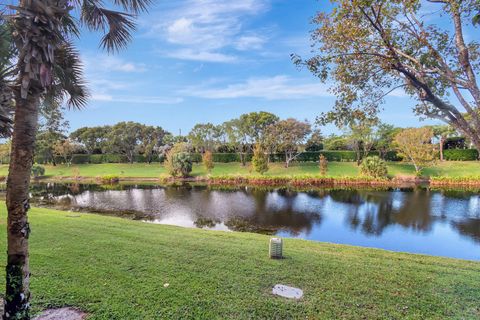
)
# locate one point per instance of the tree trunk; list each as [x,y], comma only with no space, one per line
[287,161]
[442,141]
[17,271]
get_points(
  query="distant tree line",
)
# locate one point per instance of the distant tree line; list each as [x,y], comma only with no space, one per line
[232,141]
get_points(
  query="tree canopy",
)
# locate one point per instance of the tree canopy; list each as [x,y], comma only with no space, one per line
[370,48]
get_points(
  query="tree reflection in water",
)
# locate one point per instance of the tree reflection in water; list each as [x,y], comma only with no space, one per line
[291,212]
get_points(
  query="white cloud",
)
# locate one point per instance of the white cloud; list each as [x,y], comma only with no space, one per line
[206,56]
[250,42]
[272,88]
[105,63]
[134,99]
[203,29]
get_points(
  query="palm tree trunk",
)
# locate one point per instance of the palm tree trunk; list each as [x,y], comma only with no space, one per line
[17,271]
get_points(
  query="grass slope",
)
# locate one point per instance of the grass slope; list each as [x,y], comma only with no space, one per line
[335,169]
[116,269]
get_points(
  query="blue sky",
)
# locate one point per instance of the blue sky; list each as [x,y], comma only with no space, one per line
[196,61]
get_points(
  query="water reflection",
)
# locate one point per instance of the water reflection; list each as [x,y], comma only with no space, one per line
[415,220]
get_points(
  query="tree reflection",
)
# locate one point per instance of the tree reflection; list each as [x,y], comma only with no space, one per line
[298,213]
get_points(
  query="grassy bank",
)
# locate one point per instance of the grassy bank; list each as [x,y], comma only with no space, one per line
[116,269]
[335,169]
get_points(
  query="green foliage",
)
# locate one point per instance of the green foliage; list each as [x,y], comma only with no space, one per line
[392,155]
[334,142]
[205,137]
[94,139]
[323,163]
[415,145]
[373,167]
[5,152]
[178,161]
[80,159]
[368,49]
[260,159]
[38,171]
[181,165]
[109,179]
[288,136]
[207,160]
[460,154]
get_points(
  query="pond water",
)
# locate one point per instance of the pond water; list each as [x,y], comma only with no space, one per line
[416,220]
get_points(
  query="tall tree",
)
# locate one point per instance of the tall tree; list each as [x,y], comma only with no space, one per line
[238,139]
[151,139]
[290,134]
[125,138]
[93,139]
[385,136]
[371,48]
[362,136]
[415,144]
[52,129]
[65,149]
[48,68]
[250,129]
[255,124]
[204,137]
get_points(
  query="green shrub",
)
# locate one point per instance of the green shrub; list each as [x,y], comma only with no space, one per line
[207,160]
[460,154]
[96,158]
[80,158]
[374,167]
[114,158]
[226,157]
[38,171]
[260,159]
[109,179]
[342,156]
[393,156]
[181,165]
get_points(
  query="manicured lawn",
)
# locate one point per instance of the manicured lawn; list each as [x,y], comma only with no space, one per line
[335,169]
[116,269]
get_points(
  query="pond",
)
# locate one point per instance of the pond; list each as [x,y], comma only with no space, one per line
[416,220]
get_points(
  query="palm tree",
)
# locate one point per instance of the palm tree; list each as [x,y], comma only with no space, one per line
[49,70]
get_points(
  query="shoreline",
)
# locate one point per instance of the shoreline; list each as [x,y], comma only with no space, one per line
[401,181]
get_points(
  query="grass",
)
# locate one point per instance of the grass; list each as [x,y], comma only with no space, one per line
[335,169]
[116,269]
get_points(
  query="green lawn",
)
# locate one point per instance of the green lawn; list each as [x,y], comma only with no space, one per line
[116,269]
[335,169]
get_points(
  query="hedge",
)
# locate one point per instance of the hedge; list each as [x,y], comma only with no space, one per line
[330,155]
[460,154]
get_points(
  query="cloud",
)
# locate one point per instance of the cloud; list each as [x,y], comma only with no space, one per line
[272,88]
[205,56]
[134,99]
[249,42]
[202,30]
[103,63]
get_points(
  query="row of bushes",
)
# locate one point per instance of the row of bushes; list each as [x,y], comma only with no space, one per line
[460,154]
[97,159]
[340,156]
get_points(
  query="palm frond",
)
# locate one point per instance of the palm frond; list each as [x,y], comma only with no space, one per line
[69,83]
[118,25]
[135,6]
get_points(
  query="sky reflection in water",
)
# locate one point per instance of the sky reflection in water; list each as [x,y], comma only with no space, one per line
[443,223]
